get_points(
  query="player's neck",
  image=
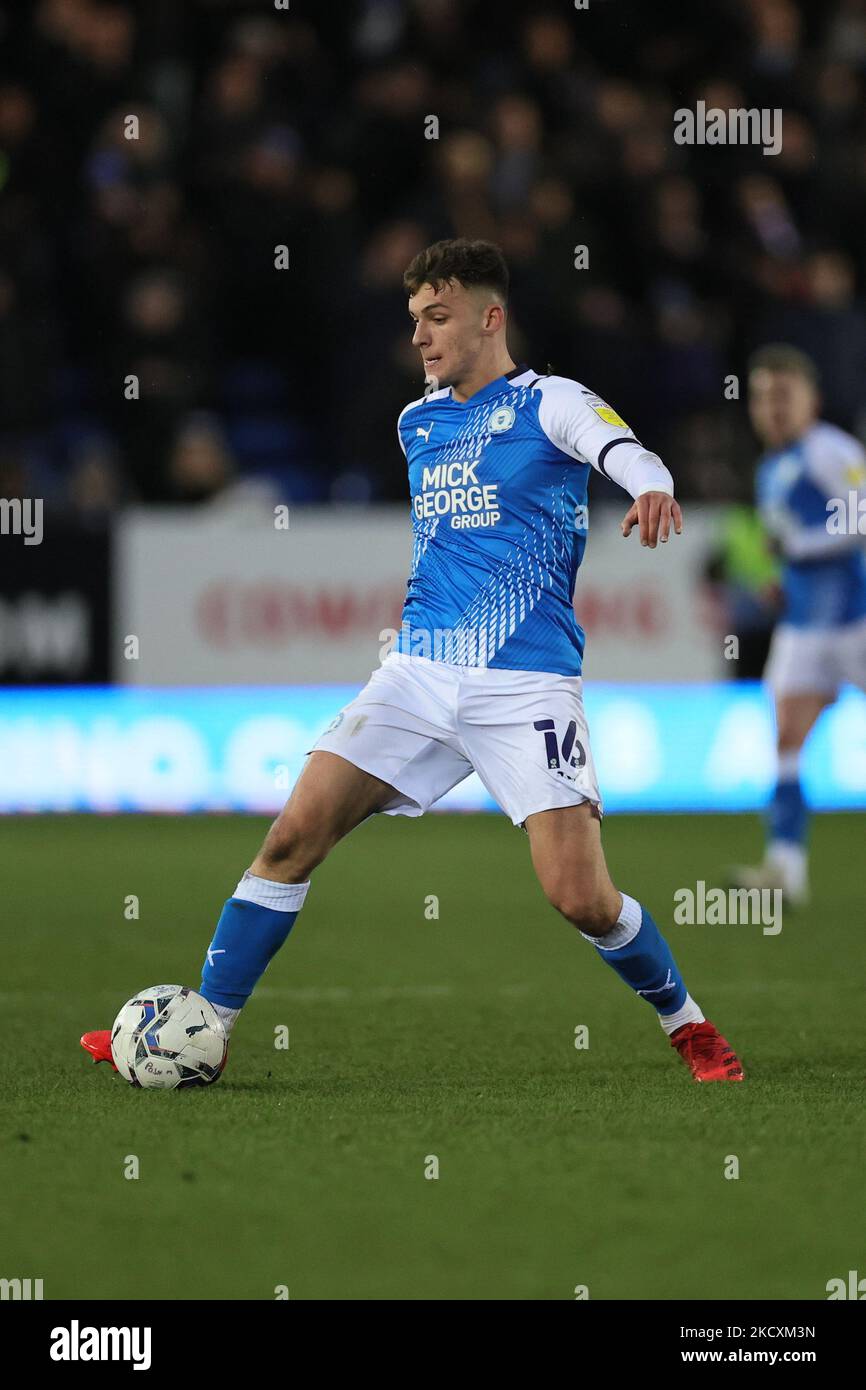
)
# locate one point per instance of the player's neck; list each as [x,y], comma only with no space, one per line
[482,376]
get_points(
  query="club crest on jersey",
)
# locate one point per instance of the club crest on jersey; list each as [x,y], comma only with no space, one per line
[500,419]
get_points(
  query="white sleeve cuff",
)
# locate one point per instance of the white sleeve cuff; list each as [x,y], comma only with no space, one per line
[637,470]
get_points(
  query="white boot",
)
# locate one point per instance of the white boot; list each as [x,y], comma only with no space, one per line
[785,866]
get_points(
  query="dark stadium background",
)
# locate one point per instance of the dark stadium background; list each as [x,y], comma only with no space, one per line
[562,1169]
[302,128]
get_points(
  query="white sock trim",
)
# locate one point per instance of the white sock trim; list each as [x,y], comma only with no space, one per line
[689,1013]
[626,929]
[788,765]
[229,1016]
[788,854]
[282,897]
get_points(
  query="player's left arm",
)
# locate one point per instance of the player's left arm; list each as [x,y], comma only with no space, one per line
[587,429]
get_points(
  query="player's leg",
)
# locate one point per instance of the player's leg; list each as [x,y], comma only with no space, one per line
[570,865]
[826,661]
[802,673]
[788,815]
[527,737]
[391,749]
[568,858]
[330,798]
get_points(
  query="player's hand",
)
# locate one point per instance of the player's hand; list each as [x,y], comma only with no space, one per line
[652,514]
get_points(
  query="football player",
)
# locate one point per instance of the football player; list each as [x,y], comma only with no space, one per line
[485,674]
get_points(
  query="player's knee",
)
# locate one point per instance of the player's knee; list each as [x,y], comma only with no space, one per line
[790,741]
[293,848]
[586,907]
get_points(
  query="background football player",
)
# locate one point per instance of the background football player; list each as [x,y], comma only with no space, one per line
[811,493]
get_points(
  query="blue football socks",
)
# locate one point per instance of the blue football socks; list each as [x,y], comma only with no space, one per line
[788,813]
[252,927]
[637,951]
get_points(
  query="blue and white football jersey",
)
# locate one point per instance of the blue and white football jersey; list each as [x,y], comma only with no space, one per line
[499,486]
[796,489]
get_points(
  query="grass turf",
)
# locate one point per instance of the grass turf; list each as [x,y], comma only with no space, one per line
[411,1038]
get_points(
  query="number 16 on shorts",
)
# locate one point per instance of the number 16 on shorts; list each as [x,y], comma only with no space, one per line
[570,754]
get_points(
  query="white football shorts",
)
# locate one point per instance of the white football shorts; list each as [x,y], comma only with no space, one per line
[815,660]
[424,725]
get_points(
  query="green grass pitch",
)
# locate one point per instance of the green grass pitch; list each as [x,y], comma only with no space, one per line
[412,1037]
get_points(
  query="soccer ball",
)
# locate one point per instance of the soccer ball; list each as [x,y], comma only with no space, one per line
[168,1036]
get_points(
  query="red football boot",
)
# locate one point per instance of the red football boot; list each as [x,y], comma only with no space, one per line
[98,1044]
[708,1055]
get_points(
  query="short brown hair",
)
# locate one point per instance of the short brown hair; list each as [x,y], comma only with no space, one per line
[784,357]
[470,263]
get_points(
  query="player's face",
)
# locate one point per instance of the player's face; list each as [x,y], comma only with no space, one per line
[451,329]
[782,406]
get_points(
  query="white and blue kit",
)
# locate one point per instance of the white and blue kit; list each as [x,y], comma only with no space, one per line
[499,514]
[812,499]
[485,673]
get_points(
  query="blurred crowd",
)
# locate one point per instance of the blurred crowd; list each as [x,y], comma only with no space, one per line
[261,125]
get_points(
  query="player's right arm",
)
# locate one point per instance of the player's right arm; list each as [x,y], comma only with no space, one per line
[586,428]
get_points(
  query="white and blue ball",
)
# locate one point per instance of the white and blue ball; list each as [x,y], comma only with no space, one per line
[166,1037]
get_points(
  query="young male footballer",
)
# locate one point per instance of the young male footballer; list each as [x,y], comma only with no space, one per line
[485,675]
[811,493]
